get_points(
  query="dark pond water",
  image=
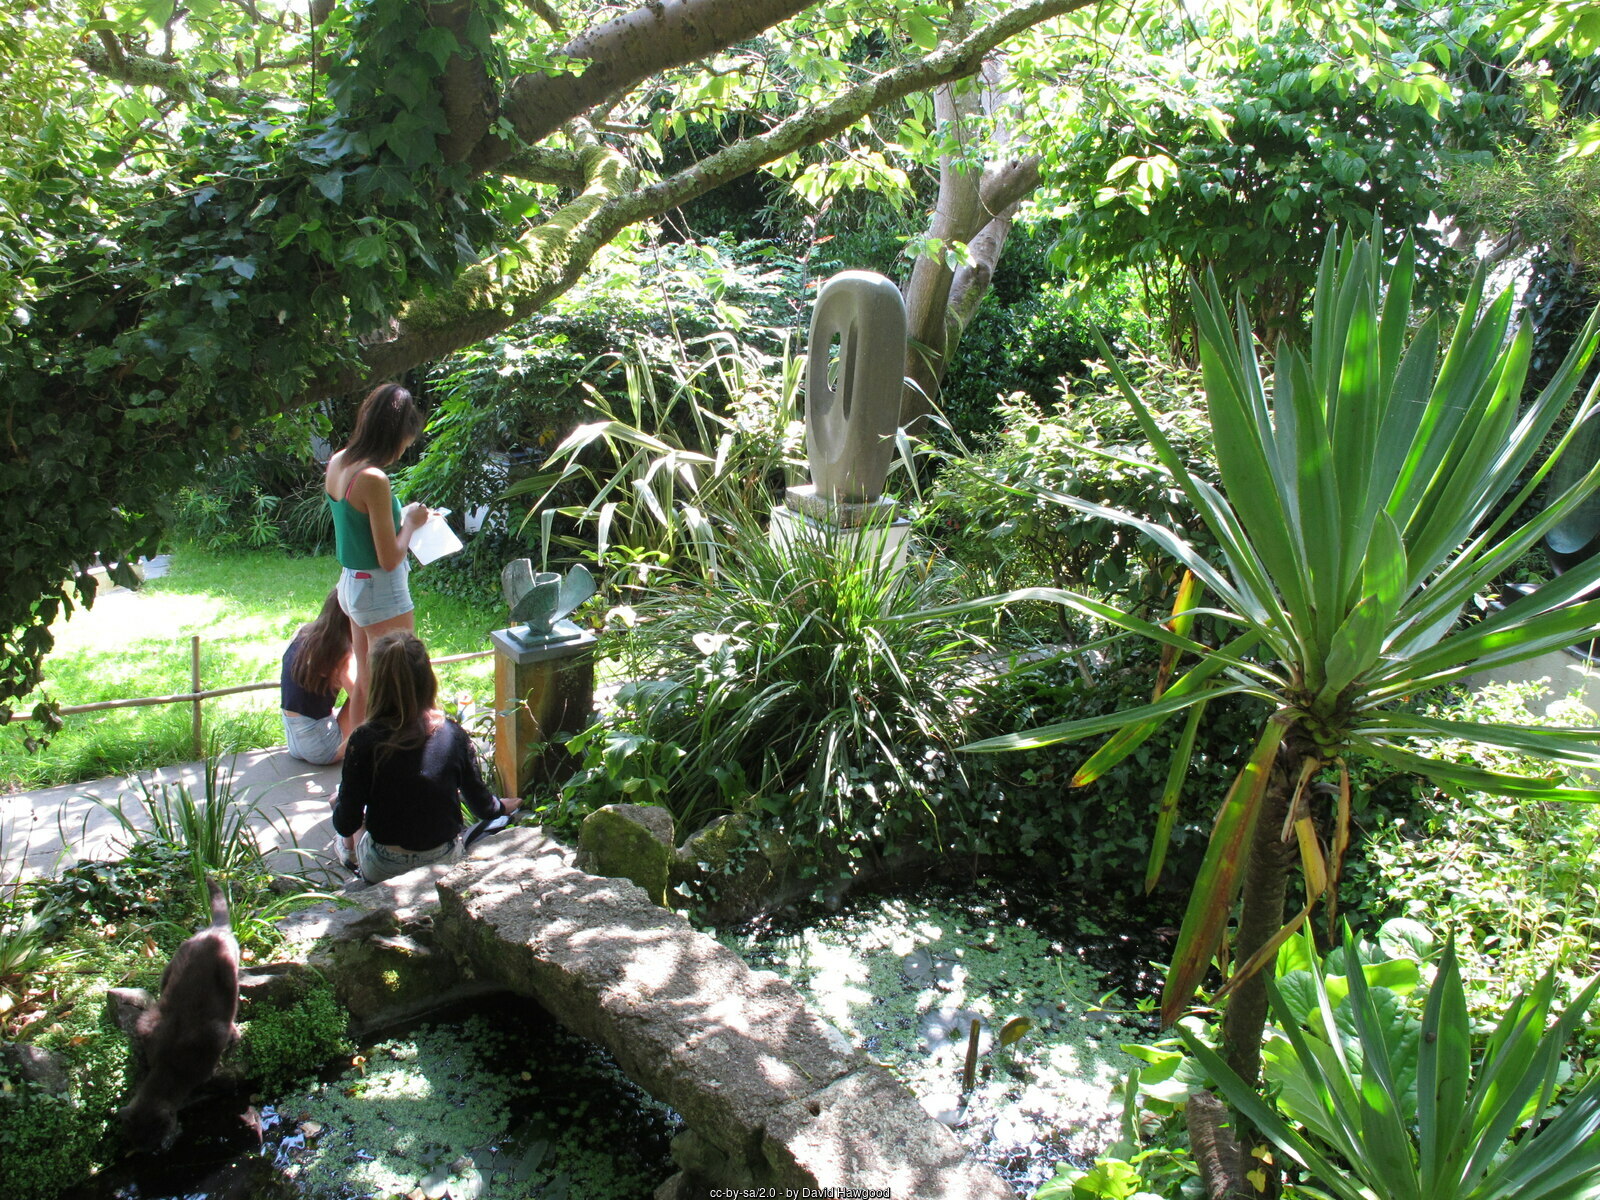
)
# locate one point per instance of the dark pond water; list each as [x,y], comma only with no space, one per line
[493,1101]
[497,1102]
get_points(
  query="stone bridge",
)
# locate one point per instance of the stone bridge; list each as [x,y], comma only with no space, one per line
[771,1094]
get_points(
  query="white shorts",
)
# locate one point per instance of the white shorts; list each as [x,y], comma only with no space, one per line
[368,597]
[312,739]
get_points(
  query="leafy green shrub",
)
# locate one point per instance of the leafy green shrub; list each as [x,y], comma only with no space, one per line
[268,497]
[500,409]
[1513,877]
[139,886]
[49,1142]
[1090,445]
[46,1145]
[281,1046]
[1097,838]
[1032,333]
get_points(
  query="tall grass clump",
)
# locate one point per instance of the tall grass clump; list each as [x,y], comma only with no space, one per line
[802,684]
[216,835]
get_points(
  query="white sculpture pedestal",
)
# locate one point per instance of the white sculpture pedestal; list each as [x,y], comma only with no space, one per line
[862,531]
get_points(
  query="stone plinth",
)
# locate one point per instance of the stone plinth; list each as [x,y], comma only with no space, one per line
[857,530]
[540,690]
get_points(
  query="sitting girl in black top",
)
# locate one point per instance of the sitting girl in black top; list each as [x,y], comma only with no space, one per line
[316,667]
[407,770]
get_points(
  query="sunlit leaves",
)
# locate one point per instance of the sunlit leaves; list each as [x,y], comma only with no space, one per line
[1243,166]
[1535,26]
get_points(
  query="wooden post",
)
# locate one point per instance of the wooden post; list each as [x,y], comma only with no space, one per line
[539,691]
[194,682]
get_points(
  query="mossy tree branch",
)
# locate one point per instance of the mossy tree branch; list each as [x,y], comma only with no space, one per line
[486,300]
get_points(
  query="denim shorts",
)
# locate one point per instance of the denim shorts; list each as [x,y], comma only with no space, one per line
[368,597]
[379,862]
[313,739]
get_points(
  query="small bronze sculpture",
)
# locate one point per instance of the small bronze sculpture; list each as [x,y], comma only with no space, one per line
[539,600]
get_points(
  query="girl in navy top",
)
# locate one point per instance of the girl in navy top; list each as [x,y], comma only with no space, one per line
[317,666]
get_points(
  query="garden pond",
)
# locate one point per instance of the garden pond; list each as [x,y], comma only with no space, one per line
[497,1101]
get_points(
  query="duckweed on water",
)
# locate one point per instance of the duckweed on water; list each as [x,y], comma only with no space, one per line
[903,980]
[473,1110]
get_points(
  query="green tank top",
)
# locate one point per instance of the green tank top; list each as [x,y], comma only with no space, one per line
[352,535]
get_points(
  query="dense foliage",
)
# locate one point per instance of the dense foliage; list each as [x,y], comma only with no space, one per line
[1243,173]
[991,514]
[203,305]
[1097,838]
[297,206]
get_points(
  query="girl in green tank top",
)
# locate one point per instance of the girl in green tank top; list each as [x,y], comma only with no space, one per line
[372,533]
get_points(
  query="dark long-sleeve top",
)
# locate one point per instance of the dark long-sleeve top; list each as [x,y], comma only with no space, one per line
[413,800]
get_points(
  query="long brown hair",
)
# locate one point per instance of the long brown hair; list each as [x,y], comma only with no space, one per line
[401,691]
[386,422]
[324,646]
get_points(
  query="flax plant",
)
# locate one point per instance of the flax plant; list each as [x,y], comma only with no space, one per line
[802,682]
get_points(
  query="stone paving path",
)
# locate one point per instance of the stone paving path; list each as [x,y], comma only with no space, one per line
[45,831]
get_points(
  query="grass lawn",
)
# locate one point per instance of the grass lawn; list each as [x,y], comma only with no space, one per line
[245,606]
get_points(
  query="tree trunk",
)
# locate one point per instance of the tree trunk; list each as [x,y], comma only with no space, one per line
[974,209]
[1216,1148]
[1266,881]
[1266,878]
[927,292]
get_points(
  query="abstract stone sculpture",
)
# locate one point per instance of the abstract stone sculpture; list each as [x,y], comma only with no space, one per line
[850,421]
[540,600]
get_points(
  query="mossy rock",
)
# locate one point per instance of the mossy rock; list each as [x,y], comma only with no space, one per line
[629,841]
[732,869]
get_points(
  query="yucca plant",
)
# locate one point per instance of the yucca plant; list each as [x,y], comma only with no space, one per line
[1367,496]
[1402,1111]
